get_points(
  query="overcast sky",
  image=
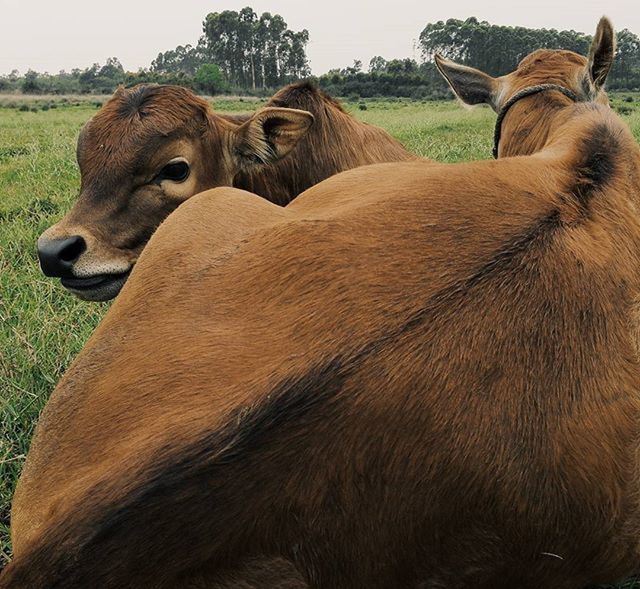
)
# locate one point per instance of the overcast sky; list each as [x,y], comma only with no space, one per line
[50,35]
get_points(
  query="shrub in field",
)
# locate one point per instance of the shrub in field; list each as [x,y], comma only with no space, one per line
[209,79]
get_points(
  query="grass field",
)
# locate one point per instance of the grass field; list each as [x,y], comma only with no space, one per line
[42,328]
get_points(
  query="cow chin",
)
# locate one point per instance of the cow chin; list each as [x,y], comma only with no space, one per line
[100,288]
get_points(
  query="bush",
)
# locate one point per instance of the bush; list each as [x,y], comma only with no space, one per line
[31,83]
[362,106]
[209,78]
[23,108]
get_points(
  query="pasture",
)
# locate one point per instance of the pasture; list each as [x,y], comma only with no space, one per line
[42,327]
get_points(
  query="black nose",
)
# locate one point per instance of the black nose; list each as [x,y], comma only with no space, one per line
[57,256]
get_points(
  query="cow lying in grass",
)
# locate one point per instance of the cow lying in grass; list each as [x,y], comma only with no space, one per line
[152,147]
[412,376]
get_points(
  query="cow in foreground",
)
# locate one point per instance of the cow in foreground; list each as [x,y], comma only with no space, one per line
[412,376]
[152,147]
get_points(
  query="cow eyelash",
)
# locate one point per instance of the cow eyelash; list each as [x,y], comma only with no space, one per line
[174,171]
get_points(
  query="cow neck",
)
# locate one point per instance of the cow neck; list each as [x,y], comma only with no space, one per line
[526,92]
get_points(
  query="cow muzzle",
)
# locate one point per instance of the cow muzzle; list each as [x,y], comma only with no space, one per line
[60,258]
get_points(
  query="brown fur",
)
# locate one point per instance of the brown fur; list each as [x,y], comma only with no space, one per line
[124,147]
[136,120]
[336,142]
[413,376]
[541,67]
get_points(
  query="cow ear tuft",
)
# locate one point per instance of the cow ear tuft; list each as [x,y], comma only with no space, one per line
[470,85]
[601,53]
[270,134]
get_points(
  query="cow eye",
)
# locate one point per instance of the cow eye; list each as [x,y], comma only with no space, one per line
[174,171]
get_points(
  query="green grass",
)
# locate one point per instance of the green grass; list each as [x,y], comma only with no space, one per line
[443,131]
[42,328]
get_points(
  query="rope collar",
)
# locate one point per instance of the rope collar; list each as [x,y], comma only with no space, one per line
[519,96]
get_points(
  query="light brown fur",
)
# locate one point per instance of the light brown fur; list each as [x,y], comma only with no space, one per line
[413,376]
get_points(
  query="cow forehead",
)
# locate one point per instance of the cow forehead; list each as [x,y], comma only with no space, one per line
[555,60]
[142,116]
[128,146]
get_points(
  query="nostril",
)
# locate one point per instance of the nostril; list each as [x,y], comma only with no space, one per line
[72,250]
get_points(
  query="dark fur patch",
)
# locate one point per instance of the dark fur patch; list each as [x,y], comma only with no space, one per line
[503,261]
[537,234]
[292,402]
[596,165]
[133,99]
[77,553]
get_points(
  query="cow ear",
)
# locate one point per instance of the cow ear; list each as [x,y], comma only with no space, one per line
[270,134]
[601,53]
[469,84]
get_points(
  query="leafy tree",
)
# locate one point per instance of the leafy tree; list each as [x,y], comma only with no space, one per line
[112,69]
[67,83]
[377,64]
[31,83]
[185,59]
[259,52]
[398,77]
[87,77]
[209,78]
[626,66]
[399,66]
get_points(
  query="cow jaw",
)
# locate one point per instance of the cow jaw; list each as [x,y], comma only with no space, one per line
[98,288]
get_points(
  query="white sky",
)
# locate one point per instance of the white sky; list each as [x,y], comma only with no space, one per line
[50,35]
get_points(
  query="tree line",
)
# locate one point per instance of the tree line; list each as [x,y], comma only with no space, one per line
[494,49]
[498,49]
[243,52]
[238,52]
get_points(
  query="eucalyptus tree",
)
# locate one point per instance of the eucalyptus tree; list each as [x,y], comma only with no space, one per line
[254,51]
[498,49]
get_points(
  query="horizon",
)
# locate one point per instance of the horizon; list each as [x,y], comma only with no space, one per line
[51,43]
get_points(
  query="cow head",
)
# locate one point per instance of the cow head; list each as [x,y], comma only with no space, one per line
[149,149]
[582,77]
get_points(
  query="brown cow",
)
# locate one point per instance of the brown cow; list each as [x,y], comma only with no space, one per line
[412,376]
[152,147]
